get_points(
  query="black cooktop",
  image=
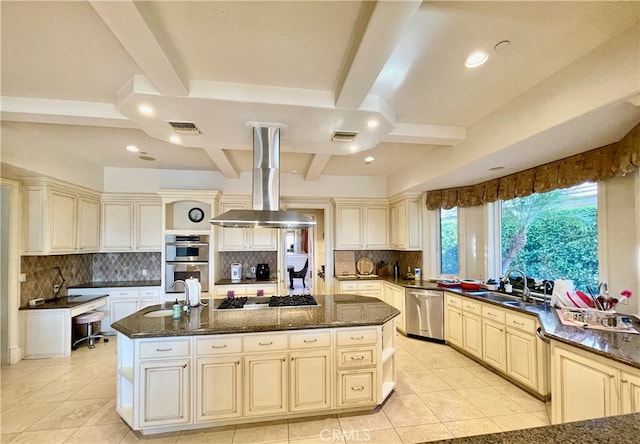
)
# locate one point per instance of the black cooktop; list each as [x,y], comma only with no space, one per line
[296,300]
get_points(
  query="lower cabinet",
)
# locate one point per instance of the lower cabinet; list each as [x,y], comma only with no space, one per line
[164,393]
[371,288]
[203,381]
[629,392]
[394,295]
[522,356]
[472,327]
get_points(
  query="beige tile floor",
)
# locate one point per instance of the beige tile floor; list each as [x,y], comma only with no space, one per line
[440,394]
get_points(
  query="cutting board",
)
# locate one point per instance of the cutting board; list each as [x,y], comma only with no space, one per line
[344,262]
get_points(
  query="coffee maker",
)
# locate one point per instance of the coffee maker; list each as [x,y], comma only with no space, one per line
[262,272]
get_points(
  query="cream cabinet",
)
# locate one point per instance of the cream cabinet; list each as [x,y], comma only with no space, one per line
[164,392]
[59,219]
[453,320]
[362,225]
[472,327]
[220,393]
[266,377]
[522,354]
[629,392]
[394,295]
[243,239]
[310,382]
[131,224]
[268,289]
[371,288]
[494,350]
[406,223]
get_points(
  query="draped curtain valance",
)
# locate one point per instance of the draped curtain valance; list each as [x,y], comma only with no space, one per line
[616,159]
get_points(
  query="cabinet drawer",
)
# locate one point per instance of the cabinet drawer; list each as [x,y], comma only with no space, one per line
[349,285]
[453,301]
[524,323]
[238,290]
[368,285]
[470,306]
[150,293]
[492,313]
[124,293]
[260,343]
[310,339]
[358,336]
[356,388]
[218,345]
[362,357]
[267,289]
[164,349]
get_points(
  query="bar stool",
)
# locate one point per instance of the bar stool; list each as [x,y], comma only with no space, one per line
[89,318]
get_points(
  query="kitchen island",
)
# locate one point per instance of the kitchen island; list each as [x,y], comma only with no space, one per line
[216,367]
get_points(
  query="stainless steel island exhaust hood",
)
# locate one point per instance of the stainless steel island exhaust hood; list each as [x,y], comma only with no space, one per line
[266,211]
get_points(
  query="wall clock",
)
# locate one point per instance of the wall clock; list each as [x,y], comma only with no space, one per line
[196,214]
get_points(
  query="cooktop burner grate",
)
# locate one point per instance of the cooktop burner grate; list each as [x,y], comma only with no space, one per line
[292,301]
[233,302]
[298,300]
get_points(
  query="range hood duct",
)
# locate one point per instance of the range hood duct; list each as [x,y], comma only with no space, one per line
[266,211]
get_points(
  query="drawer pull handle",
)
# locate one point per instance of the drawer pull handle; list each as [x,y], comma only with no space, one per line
[357,338]
[265,343]
[219,346]
[493,315]
[164,349]
[358,389]
[357,358]
[519,323]
[310,341]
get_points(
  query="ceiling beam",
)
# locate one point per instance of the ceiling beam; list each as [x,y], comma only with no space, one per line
[221,160]
[426,134]
[66,112]
[318,162]
[130,28]
[384,29]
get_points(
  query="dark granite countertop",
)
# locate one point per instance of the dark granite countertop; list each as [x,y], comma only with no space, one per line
[613,429]
[246,281]
[113,284]
[64,302]
[333,311]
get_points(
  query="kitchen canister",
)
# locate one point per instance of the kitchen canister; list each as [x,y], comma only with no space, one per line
[417,273]
[236,272]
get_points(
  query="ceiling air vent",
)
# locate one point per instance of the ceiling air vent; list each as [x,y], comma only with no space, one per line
[343,136]
[188,128]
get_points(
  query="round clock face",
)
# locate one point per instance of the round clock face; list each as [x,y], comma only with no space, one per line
[196,214]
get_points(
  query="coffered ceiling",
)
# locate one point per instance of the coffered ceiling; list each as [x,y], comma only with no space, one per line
[74,73]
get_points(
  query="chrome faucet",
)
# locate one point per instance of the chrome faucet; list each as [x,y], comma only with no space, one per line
[187,302]
[526,293]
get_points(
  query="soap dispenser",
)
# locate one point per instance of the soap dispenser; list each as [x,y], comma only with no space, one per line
[177,310]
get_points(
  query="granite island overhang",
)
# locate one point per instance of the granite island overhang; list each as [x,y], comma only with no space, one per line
[218,367]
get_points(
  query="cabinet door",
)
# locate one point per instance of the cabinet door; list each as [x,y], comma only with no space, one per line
[148,298]
[149,226]
[122,304]
[472,334]
[219,388]
[117,226]
[349,227]
[583,388]
[62,218]
[88,224]
[265,379]
[376,226]
[494,344]
[47,333]
[453,326]
[164,393]
[232,239]
[263,239]
[397,234]
[310,386]
[522,357]
[630,393]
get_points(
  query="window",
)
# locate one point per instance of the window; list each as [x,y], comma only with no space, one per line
[553,235]
[449,242]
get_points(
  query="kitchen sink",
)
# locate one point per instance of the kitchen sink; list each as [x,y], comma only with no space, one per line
[160,313]
[514,303]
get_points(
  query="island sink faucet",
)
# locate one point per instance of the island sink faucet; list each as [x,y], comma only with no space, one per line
[526,293]
[187,302]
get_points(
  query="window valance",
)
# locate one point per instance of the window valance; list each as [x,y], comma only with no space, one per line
[616,159]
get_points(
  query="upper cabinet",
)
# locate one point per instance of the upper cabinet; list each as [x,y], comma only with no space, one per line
[244,239]
[59,218]
[362,224]
[406,223]
[131,223]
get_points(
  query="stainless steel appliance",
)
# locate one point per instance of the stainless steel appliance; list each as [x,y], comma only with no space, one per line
[262,272]
[187,248]
[186,256]
[425,313]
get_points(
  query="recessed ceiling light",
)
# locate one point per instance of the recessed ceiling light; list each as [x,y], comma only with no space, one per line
[132,148]
[496,168]
[294,171]
[372,123]
[476,59]
[175,139]
[145,109]
[369,159]
[353,148]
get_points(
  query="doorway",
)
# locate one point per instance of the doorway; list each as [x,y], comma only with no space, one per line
[299,258]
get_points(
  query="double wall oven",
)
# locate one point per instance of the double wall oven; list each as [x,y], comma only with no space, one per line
[186,256]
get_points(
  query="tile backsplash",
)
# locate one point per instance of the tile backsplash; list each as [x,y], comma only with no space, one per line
[126,266]
[407,260]
[248,259]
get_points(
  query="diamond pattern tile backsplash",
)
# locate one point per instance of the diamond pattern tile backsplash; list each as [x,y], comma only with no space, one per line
[407,260]
[42,272]
[248,259]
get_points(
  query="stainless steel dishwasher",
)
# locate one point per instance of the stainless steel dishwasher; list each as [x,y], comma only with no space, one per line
[425,313]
